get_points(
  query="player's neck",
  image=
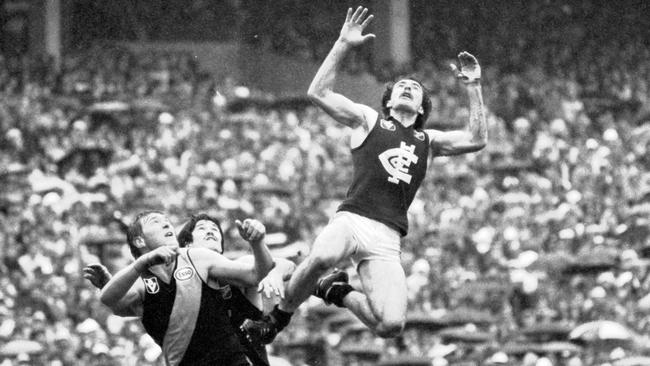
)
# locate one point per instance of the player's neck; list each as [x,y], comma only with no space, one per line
[407,119]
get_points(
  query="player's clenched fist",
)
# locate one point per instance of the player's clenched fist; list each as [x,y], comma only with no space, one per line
[251,230]
[160,255]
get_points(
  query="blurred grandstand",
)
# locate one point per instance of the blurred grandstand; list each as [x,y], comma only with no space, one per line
[533,252]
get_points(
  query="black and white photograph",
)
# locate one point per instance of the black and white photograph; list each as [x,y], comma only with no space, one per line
[324,183]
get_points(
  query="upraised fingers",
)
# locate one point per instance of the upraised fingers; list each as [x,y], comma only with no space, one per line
[94,266]
[467,58]
[367,21]
[363,14]
[257,229]
[258,226]
[357,14]
[248,227]
[243,228]
[254,235]
[455,70]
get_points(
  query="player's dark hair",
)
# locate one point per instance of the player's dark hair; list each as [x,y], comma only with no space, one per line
[135,230]
[185,235]
[426,101]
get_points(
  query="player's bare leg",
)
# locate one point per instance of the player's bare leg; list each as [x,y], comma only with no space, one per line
[331,246]
[382,304]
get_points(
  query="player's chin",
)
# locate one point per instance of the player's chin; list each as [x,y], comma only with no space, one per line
[208,244]
[406,106]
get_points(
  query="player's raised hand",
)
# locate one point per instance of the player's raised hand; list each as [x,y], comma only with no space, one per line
[97,274]
[355,23]
[251,230]
[470,71]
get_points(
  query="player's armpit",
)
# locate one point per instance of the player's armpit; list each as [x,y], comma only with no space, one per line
[445,143]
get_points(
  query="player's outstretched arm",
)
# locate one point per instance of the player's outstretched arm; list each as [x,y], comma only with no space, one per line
[217,267]
[254,233]
[474,136]
[273,283]
[321,90]
[115,291]
[238,273]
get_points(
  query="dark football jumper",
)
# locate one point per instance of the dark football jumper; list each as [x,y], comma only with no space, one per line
[189,319]
[389,167]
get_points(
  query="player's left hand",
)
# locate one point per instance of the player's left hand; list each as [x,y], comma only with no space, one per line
[97,274]
[272,284]
[251,230]
[470,71]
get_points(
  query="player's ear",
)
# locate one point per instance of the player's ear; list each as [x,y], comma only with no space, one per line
[389,103]
[139,242]
[421,110]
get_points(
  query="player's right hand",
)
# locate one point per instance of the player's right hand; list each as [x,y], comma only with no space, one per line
[272,284]
[470,70]
[253,231]
[355,23]
[97,274]
[160,255]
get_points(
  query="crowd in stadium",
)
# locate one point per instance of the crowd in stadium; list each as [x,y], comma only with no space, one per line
[547,225]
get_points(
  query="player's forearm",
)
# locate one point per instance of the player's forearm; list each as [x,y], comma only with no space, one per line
[326,75]
[130,304]
[263,260]
[477,125]
[117,288]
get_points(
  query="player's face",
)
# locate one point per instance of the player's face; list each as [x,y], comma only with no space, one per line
[407,96]
[158,231]
[206,234]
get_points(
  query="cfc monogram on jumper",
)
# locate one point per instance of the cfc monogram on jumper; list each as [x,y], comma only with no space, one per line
[397,161]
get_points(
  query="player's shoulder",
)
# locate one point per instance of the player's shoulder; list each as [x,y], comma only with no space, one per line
[433,134]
